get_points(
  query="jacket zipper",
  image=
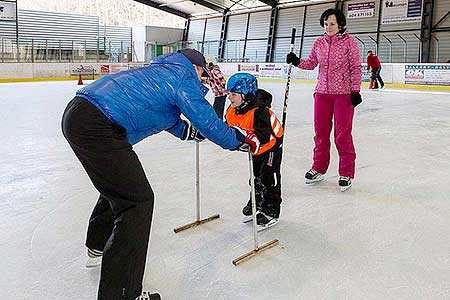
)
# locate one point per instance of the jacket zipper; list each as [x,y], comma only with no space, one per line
[328,65]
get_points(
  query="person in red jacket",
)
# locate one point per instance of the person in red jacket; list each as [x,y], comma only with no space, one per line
[374,63]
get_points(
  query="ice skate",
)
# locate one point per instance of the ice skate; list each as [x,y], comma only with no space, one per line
[345,183]
[247,212]
[148,296]
[312,176]
[265,221]
[94,258]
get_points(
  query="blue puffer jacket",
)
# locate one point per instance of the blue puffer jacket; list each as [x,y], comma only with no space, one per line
[148,100]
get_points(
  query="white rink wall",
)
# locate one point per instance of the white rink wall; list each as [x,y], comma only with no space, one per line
[425,74]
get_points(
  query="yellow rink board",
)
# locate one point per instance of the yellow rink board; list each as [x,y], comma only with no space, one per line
[365,84]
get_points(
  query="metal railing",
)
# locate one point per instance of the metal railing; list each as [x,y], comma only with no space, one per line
[397,48]
[47,50]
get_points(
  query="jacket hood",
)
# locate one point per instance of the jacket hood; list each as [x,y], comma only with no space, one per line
[262,99]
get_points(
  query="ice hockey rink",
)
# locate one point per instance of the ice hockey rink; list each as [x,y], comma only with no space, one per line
[388,237]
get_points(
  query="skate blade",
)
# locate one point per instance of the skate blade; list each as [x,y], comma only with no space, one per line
[311,181]
[271,223]
[246,219]
[344,188]
[93,262]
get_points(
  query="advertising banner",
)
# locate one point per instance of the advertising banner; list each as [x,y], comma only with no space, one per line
[83,70]
[270,71]
[401,11]
[7,11]
[249,68]
[361,10]
[104,69]
[136,65]
[427,74]
[118,67]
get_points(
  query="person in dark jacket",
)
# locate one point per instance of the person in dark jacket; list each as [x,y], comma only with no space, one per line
[103,122]
[250,110]
[374,66]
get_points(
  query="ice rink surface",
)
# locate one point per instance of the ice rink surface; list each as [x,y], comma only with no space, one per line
[388,237]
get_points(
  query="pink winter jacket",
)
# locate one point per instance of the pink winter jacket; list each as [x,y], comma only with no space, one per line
[339,63]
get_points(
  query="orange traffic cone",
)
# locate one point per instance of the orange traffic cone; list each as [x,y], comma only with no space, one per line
[80,80]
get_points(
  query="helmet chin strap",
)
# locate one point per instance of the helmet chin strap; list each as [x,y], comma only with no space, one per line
[243,104]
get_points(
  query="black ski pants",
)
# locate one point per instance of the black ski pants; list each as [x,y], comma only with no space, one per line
[376,77]
[267,171]
[121,220]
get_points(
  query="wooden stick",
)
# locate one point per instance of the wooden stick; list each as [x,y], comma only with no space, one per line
[254,252]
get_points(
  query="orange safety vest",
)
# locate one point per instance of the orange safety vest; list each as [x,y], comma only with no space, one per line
[246,121]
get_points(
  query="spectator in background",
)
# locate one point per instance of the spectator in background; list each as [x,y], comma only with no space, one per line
[217,82]
[336,94]
[374,63]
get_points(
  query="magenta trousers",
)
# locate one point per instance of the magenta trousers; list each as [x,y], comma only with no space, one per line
[327,106]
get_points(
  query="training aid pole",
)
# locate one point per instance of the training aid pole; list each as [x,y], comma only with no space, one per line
[266,246]
[197,221]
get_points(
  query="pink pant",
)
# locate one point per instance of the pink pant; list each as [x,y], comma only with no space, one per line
[325,106]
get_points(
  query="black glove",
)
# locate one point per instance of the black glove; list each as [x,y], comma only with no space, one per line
[356,98]
[248,139]
[191,134]
[292,58]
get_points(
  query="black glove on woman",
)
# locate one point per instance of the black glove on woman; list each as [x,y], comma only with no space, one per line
[292,58]
[356,98]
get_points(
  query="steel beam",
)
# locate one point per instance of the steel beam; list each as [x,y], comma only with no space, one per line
[165,8]
[426,29]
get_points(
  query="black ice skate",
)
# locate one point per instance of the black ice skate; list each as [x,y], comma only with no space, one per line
[264,220]
[247,212]
[312,176]
[94,258]
[148,296]
[344,183]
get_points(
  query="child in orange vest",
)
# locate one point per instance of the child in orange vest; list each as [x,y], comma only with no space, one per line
[250,110]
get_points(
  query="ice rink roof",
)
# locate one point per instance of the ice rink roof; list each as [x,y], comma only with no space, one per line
[195,8]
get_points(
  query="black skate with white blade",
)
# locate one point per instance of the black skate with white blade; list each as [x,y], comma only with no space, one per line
[345,183]
[148,296]
[312,176]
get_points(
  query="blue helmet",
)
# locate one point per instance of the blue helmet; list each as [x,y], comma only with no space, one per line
[242,83]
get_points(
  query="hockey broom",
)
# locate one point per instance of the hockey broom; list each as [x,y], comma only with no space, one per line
[197,221]
[275,242]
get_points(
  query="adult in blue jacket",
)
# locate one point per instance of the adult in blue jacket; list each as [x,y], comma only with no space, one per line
[103,122]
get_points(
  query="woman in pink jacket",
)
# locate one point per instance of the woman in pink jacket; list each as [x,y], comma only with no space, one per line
[336,95]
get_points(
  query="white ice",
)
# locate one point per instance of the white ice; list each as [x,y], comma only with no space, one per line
[388,237]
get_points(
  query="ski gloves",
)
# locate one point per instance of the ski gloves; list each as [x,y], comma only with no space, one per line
[291,58]
[191,133]
[356,98]
[248,139]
